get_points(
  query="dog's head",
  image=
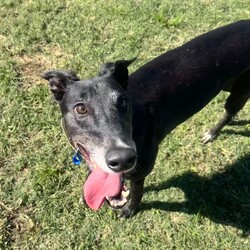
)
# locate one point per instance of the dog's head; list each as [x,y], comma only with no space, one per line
[97,118]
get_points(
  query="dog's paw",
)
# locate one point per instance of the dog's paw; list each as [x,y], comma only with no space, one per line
[127,211]
[209,136]
[82,201]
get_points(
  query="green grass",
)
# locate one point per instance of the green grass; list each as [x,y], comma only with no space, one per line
[197,197]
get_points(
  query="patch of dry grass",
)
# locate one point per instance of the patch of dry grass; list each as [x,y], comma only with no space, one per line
[31,67]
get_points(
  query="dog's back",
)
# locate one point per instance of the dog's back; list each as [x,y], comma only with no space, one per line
[182,81]
[210,55]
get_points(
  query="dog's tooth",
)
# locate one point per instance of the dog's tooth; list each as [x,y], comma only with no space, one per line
[118,202]
[125,193]
[121,202]
[113,203]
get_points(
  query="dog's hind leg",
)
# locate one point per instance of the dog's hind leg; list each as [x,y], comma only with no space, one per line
[240,93]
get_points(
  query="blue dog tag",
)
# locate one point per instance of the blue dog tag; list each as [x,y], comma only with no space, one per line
[77,158]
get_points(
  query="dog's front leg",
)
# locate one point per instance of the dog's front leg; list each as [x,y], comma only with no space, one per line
[132,206]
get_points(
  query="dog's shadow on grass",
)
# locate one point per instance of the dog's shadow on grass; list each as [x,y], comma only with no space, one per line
[237,123]
[233,132]
[223,197]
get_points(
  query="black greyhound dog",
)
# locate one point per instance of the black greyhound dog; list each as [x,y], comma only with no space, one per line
[117,121]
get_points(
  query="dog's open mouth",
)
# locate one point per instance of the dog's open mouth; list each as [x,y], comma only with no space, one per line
[101,186]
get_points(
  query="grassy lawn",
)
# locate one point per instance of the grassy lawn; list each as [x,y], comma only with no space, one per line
[197,197]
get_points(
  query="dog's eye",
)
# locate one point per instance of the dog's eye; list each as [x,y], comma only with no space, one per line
[81,109]
[122,104]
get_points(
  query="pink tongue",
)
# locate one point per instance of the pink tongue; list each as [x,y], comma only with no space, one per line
[99,185]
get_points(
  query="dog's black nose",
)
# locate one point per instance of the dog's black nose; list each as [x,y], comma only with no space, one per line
[121,159]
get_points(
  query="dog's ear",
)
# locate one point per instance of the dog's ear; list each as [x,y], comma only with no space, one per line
[118,69]
[58,81]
